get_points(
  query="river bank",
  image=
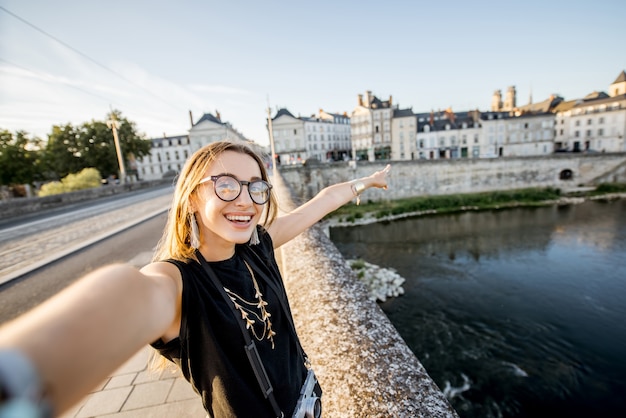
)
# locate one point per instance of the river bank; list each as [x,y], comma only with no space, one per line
[371,212]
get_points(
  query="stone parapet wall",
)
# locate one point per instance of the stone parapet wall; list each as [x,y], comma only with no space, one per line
[28,205]
[439,177]
[364,366]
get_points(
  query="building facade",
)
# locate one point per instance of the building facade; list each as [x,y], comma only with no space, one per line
[449,134]
[289,138]
[210,128]
[403,134]
[167,157]
[595,123]
[370,128]
[323,137]
[169,153]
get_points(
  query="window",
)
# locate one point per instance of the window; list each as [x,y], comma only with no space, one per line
[600,132]
[588,121]
[601,121]
[588,133]
[577,123]
[577,134]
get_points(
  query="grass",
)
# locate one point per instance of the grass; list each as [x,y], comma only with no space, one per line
[460,202]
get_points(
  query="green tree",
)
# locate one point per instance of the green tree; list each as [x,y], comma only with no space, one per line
[71,149]
[61,155]
[19,158]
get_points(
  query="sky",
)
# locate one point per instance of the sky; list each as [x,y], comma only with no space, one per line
[72,61]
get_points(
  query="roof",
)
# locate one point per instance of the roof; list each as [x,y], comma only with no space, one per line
[283,112]
[545,106]
[600,100]
[620,78]
[208,117]
[439,120]
[403,113]
[564,106]
[596,95]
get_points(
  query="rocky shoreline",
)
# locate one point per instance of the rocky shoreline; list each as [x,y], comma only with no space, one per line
[381,283]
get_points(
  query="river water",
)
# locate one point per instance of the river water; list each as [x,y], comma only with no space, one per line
[514,313]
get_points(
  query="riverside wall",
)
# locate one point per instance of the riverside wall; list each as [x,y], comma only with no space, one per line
[440,177]
[365,368]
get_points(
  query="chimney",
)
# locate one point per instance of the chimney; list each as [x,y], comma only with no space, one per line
[217,115]
[191,118]
[360,101]
[390,101]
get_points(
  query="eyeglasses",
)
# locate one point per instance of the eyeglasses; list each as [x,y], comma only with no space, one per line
[228,188]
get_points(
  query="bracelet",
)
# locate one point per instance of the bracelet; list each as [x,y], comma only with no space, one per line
[357,189]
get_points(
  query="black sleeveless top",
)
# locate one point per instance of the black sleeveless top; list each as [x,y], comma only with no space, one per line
[210,347]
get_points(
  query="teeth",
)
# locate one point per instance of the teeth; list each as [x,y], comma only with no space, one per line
[238,218]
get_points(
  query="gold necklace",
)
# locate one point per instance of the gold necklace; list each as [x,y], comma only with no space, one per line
[248,314]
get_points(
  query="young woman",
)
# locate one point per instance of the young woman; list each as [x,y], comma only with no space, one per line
[213,274]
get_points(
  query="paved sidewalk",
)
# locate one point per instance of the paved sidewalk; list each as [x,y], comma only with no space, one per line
[134,390]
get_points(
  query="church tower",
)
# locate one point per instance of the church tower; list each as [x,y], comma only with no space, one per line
[618,86]
[496,101]
[510,101]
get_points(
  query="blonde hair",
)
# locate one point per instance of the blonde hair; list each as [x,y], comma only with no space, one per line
[175,242]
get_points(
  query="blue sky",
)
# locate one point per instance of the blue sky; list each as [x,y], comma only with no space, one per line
[157,60]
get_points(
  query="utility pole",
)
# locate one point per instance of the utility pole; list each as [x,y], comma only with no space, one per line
[113,124]
[269,126]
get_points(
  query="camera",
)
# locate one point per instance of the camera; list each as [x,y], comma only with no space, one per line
[310,401]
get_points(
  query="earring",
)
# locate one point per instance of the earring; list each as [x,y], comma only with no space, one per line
[254,238]
[194,239]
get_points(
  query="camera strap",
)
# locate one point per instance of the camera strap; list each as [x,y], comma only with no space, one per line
[249,346]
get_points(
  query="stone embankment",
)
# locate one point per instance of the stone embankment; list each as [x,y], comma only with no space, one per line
[364,366]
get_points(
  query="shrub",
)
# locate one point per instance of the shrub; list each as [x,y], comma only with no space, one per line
[88,178]
[611,188]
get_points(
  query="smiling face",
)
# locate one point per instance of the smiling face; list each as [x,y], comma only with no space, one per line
[224,224]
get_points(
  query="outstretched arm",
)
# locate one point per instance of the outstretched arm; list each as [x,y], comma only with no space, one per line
[288,226]
[80,336]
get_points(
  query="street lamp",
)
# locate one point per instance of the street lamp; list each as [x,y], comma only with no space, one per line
[271,132]
[113,125]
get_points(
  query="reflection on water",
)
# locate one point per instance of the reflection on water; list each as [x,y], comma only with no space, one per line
[514,313]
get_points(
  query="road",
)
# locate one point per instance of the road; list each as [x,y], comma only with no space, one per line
[40,257]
